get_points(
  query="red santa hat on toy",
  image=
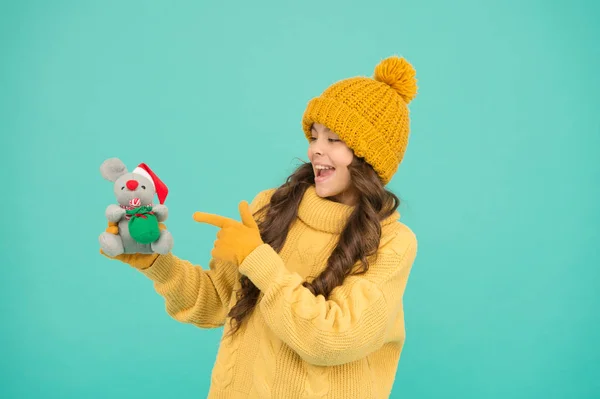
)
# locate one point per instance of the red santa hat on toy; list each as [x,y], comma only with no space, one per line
[160,187]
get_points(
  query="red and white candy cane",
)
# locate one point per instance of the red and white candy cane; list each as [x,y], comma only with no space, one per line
[135,202]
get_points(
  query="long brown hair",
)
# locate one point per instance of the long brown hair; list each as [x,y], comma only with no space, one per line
[358,240]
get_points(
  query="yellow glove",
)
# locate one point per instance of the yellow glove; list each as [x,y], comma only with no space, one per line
[235,240]
[139,261]
[113,228]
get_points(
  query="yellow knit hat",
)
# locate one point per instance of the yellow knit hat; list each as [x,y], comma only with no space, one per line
[369,114]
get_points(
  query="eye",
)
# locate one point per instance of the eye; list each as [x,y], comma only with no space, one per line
[333,140]
[144,187]
[312,139]
[122,188]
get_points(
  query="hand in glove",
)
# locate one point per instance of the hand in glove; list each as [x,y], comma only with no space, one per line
[139,261]
[235,241]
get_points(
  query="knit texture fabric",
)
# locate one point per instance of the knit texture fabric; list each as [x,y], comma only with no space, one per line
[296,345]
[369,114]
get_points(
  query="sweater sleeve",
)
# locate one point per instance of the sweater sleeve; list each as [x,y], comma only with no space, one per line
[352,322]
[195,295]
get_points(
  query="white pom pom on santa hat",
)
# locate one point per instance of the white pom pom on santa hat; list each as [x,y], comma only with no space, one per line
[160,187]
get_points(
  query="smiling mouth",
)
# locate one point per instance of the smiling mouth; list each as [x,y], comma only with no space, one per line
[322,174]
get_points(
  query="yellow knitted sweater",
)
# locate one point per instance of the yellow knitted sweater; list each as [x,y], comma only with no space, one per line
[296,345]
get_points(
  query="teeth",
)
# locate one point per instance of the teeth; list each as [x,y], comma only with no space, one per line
[322,167]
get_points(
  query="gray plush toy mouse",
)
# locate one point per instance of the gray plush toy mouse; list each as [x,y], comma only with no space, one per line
[138,220]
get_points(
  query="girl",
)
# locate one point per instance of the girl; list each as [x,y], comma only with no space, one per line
[311,280]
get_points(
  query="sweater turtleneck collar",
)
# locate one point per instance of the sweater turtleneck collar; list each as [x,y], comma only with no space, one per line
[326,215]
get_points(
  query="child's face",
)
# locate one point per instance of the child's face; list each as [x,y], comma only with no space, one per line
[327,150]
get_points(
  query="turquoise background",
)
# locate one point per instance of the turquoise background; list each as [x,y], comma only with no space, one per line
[500,182]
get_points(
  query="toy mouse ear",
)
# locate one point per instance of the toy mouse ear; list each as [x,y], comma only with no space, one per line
[161,188]
[112,169]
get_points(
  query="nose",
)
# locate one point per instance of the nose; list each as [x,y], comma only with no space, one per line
[131,184]
[317,147]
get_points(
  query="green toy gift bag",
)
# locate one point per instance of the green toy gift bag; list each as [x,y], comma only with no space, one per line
[143,225]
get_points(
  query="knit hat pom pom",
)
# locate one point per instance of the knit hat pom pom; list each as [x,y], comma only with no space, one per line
[399,74]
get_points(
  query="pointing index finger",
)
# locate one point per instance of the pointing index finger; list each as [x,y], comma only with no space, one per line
[209,218]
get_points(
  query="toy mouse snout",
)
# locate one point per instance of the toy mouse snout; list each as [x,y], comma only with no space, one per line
[132,184]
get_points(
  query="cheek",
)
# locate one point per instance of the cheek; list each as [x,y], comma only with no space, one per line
[343,157]
[344,177]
